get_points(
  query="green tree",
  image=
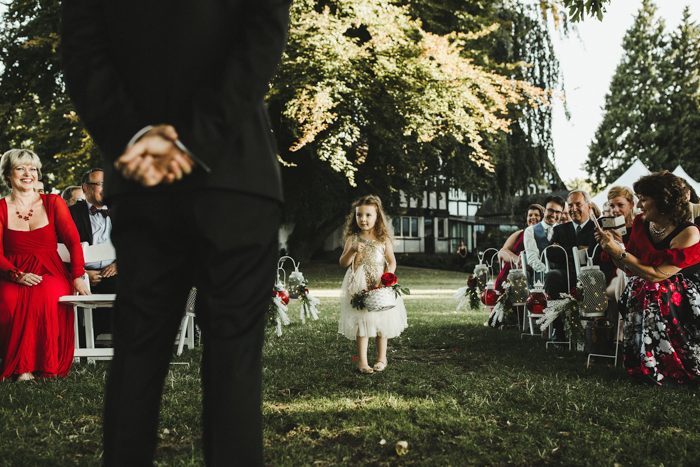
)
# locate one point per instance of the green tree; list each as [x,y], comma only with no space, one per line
[679,131]
[34,109]
[579,9]
[633,106]
[386,105]
[515,42]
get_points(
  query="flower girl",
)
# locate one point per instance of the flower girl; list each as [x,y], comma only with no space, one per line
[368,253]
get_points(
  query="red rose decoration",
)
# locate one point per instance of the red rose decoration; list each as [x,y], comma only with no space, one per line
[283,296]
[389,279]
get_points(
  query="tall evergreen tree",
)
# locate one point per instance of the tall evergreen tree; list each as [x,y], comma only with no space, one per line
[633,105]
[679,132]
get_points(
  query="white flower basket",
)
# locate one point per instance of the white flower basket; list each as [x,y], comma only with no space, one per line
[380,299]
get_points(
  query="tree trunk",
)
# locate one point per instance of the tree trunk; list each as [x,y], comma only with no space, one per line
[307,238]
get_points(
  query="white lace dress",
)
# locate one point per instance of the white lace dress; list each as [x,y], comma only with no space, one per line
[367,269]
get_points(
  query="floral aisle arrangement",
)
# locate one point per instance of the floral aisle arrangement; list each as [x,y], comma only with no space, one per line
[382,297]
[569,307]
[503,311]
[468,294]
[309,303]
[278,308]
[296,288]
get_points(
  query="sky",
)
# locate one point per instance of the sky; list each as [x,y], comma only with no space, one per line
[588,59]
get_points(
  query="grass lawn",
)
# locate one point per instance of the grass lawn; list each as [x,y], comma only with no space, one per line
[458,393]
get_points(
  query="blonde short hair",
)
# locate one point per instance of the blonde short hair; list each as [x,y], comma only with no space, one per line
[623,191]
[15,157]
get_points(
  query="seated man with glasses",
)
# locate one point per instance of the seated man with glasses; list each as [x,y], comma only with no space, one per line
[91,217]
[537,237]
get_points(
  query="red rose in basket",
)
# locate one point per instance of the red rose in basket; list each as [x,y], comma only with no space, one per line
[389,279]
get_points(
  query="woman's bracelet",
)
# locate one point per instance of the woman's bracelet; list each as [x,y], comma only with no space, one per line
[16,275]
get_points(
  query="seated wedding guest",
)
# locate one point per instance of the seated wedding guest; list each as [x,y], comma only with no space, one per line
[565,217]
[36,333]
[510,252]
[72,195]
[537,237]
[94,226]
[621,202]
[578,233]
[661,301]
[693,203]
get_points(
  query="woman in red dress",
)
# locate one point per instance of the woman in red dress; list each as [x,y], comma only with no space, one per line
[36,333]
[661,303]
[510,252]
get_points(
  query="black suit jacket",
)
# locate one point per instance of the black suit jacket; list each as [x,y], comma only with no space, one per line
[565,236]
[81,216]
[204,67]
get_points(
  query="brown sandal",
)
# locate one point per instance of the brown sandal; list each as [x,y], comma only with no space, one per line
[380,365]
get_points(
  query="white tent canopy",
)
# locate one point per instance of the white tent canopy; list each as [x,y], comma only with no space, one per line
[679,172]
[633,173]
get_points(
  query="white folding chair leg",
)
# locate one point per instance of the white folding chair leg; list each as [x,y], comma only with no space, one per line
[183,331]
[190,333]
[89,332]
[76,330]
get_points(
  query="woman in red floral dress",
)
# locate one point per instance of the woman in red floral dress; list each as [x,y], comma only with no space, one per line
[661,302]
[36,333]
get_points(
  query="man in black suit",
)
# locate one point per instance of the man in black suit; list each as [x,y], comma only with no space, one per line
[91,217]
[172,93]
[578,233]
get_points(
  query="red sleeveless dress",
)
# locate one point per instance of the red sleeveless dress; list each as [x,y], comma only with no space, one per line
[36,333]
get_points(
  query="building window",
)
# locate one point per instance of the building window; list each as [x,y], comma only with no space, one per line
[405,226]
[441,228]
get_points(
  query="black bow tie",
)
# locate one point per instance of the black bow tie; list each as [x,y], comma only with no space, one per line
[104,212]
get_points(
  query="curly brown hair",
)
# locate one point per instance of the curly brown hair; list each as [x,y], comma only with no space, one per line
[668,192]
[381,227]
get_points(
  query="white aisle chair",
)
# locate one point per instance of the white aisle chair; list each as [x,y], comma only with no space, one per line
[530,319]
[88,303]
[186,335]
[550,331]
[580,259]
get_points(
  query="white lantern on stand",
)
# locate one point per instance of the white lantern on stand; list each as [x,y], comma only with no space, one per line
[592,283]
[518,284]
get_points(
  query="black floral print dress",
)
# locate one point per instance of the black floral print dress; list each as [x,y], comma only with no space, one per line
[662,319]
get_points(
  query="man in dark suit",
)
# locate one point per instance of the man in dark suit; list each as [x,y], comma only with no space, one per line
[578,233]
[172,93]
[91,217]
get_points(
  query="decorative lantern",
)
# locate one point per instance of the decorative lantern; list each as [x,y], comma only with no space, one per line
[518,285]
[537,300]
[489,296]
[592,283]
[481,272]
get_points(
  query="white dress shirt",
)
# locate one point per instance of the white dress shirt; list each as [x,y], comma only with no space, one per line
[101,229]
[532,252]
